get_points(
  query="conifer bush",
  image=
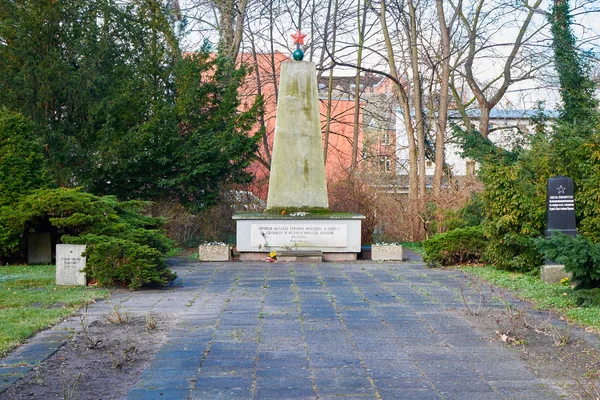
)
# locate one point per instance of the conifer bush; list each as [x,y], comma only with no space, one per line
[125,247]
[459,246]
[578,254]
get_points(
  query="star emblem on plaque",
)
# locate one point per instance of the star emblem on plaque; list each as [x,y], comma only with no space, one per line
[561,189]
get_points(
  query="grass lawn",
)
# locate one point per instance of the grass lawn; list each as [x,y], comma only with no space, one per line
[30,301]
[417,247]
[551,297]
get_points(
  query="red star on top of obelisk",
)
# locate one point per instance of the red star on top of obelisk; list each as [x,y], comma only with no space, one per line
[298,37]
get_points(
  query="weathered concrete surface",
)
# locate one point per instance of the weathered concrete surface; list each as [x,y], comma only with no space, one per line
[554,273]
[388,252]
[70,264]
[297,168]
[214,253]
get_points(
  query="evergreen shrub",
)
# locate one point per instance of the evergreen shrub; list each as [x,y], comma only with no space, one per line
[459,246]
[114,261]
[587,297]
[578,254]
[125,247]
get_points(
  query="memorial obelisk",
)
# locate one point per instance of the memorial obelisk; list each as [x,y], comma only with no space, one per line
[297,223]
[297,180]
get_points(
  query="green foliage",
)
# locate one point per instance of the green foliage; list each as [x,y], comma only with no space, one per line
[481,149]
[126,247]
[587,297]
[217,149]
[513,252]
[575,149]
[450,220]
[515,182]
[117,108]
[515,197]
[576,87]
[22,164]
[588,203]
[473,211]
[113,261]
[578,254]
[463,245]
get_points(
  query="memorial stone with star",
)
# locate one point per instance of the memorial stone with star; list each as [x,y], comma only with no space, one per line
[297,218]
[297,179]
[561,206]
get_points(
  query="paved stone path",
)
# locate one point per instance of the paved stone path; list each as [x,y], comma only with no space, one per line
[323,331]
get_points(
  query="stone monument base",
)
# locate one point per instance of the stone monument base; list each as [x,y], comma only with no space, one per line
[250,256]
[335,235]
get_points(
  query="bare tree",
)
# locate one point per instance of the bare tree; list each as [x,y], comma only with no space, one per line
[477,22]
[361,20]
[442,116]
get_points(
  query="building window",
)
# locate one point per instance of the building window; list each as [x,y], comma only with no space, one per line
[470,168]
[429,164]
[387,164]
[385,139]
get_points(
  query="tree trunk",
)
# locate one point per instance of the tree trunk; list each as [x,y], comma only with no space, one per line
[330,87]
[413,185]
[418,106]
[484,120]
[485,101]
[442,118]
[355,127]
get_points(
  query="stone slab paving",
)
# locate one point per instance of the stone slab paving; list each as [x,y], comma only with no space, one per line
[361,330]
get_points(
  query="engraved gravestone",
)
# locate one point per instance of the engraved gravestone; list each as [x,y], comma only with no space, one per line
[39,248]
[561,206]
[69,264]
[560,211]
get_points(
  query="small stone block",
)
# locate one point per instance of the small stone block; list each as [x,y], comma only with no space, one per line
[39,248]
[70,264]
[388,252]
[554,273]
[339,256]
[253,256]
[214,253]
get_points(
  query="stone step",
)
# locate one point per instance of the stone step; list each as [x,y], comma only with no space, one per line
[300,256]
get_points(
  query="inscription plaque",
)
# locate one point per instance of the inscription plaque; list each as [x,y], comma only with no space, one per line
[69,264]
[298,235]
[561,206]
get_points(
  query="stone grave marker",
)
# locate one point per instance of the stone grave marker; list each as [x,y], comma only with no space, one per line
[69,264]
[560,206]
[560,211]
[39,248]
